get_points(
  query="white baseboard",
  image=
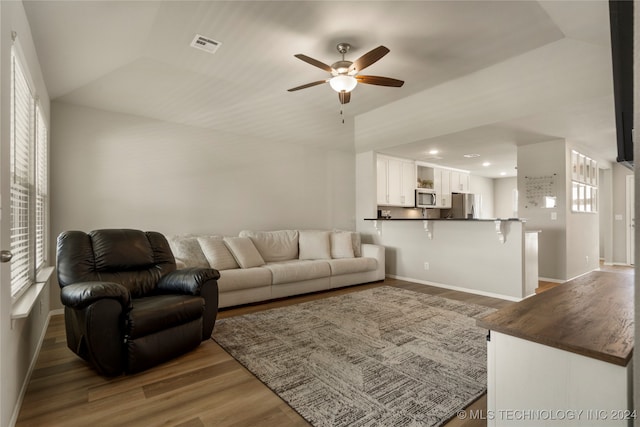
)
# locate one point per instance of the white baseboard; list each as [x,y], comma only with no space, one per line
[455,288]
[32,365]
[547,279]
[607,263]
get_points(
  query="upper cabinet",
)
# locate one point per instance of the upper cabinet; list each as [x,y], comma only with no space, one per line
[396,181]
[444,181]
[442,185]
[459,182]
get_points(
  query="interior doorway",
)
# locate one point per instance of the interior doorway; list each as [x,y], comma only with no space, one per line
[631,220]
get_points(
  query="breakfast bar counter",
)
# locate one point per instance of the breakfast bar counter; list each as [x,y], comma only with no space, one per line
[567,350]
[492,257]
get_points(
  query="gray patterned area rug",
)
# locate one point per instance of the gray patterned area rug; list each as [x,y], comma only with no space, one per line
[379,357]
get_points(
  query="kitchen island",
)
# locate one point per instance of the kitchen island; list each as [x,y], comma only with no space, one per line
[492,257]
[564,353]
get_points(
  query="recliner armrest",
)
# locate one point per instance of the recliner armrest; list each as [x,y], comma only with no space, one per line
[187,281]
[83,294]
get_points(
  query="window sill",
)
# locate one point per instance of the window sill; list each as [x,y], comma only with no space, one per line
[22,307]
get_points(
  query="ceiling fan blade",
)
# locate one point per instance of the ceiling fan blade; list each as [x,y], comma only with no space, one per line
[368,58]
[314,62]
[380,81]
[319,82]
[344,97]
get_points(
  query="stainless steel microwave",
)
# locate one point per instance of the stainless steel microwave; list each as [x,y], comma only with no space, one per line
[425,198]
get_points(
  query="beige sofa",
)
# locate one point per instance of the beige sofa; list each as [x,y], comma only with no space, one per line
[263,265]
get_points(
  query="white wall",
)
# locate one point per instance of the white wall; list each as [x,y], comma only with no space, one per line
[569,242]
[538,160]
[484,187]
[116,170]
[504,190]
[19,341]
[605,210]
[583,229]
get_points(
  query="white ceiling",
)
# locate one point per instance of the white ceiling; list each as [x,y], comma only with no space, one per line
[134,57]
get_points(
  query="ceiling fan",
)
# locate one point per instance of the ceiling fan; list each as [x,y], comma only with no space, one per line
[344,74]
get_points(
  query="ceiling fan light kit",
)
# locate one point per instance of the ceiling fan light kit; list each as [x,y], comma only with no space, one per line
[345,75]
[343,82]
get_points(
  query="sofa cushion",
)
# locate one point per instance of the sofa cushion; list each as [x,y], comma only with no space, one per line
[297,271]
[217,254]
[187,252]
[341,245]
[281,245]
[244,278]
[244,251]
[314,244]
[352,265]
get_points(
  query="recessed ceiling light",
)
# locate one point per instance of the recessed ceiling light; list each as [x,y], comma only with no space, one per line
[485,164]
[471,156]
[503,173]
[433,152]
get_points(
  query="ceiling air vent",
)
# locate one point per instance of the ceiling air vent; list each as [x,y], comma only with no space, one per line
[205,43]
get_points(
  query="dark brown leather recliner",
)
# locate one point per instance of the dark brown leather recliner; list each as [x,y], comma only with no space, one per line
[127,308]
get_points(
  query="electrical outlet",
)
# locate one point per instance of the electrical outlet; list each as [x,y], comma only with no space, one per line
[426,265]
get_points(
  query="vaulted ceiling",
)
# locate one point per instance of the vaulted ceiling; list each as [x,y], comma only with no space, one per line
[463,63]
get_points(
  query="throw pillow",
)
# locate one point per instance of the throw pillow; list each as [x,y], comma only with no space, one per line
[187,252]
[314,244]
[244,251]
[217,253]
[341,245]
[356,242]
[274,246]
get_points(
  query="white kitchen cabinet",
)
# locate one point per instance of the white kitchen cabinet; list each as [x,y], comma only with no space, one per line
[442,186]
[382,166]
[525,378]
[408,184]
[396,181]
[459,182]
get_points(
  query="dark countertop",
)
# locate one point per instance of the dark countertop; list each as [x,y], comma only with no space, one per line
[445,219]
[591,316]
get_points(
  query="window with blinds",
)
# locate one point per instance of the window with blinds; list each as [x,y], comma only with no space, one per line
[28,165]
[41,181]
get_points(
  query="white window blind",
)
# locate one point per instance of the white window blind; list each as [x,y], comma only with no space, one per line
[41,189]
[28,180]
[21,131]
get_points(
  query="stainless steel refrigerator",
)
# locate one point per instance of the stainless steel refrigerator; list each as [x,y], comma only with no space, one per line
[466,205]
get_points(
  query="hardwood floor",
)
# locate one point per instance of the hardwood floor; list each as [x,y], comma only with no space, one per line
[205,387]
[623,269]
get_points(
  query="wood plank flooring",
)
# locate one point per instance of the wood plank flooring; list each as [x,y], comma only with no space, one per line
[205,387]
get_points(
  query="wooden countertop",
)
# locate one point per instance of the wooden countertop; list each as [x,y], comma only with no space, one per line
[591,315]
[447,219]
